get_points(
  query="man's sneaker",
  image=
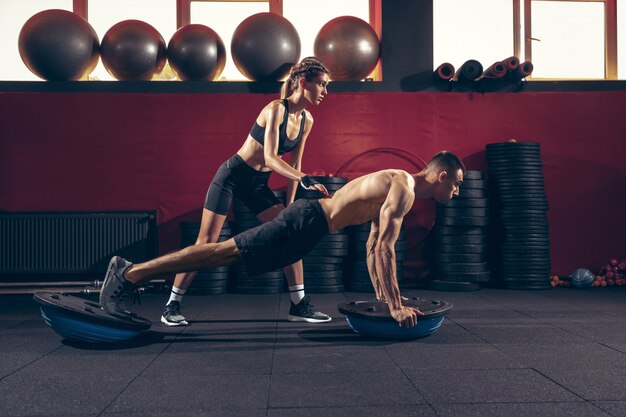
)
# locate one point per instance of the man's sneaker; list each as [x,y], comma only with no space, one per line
[171,315]
[115,288]
[303,312]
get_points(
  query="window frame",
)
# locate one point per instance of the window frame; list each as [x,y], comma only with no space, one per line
[523,30]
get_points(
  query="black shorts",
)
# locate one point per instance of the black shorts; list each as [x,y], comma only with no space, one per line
[283,240]
[235,178]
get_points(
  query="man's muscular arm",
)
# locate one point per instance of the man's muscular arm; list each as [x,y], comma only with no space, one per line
[397,204]
[370,247]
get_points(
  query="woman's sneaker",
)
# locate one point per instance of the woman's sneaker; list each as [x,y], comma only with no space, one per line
[303,312]
[171,315]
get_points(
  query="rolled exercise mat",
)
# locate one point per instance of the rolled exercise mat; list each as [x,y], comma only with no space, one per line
[512,63]
[444,72]
[496,70]
[469,71]
[523,71]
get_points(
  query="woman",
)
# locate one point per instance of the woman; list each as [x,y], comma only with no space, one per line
[282,126]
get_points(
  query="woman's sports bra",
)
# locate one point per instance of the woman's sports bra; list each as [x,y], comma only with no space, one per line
[284,143]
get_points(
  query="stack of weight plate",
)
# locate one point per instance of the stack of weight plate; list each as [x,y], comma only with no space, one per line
[212,280]
[520,208]
[272,282]
[324,265]
[359,277]
[461,238]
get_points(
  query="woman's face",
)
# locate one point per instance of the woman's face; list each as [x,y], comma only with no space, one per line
[315,89]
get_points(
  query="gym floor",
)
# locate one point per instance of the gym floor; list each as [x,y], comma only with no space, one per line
[559,352]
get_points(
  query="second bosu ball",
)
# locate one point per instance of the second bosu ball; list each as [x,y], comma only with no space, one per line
[349,48]
[133,50]
[196,52]
[265,46]
[58,45]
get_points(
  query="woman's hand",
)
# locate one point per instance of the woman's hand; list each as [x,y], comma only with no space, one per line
[309,183]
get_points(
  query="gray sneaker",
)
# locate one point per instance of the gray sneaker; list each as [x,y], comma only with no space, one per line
[303,312]
[115,288]
[171,315]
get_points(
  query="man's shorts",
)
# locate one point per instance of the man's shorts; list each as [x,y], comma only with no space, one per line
[284,240]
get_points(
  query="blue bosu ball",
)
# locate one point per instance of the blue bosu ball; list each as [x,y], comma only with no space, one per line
[372,318]
[83,320]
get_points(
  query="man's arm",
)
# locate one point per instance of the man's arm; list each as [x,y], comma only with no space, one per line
[370,248]
[397,204]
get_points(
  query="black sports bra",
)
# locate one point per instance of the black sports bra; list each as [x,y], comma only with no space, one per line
[284,143]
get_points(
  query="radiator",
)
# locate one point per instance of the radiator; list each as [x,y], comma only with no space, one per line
[76,242]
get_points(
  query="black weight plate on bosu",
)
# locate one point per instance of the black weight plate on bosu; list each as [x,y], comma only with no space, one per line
[462,221]
[474,175]
[462,212]
[460,239]
[459,258]
[321,281]
[83,320]
[437,285]
[465,202]
[323,275]
[336,238]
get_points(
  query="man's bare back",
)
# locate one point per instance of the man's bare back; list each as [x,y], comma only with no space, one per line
[361,200]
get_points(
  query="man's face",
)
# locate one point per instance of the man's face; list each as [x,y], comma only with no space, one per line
[449,184]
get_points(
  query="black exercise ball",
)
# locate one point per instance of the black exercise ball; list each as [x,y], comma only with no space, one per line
[265,46]
[133,50]
[349,48]
[196,52]
[58,45]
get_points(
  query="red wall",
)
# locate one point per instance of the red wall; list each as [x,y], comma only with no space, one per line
[110,151]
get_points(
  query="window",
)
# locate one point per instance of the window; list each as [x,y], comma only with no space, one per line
[13,15]
[566,39]
[478,29]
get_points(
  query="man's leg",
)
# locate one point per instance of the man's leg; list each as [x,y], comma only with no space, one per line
[300,309]
[123,278]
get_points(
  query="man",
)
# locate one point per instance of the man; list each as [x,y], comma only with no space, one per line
[384,197]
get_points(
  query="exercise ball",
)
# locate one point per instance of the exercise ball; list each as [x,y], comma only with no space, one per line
[265,46]
[58,45]
[196,52]
[582,277]
[133,50]
[349,48]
